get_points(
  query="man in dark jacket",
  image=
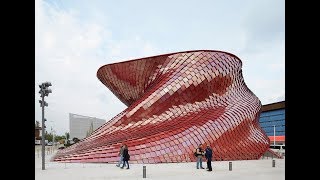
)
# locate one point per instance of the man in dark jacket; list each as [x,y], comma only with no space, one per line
[208,155]
[126,156]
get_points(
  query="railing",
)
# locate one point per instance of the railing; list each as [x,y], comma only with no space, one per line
[48,150]
[273,153]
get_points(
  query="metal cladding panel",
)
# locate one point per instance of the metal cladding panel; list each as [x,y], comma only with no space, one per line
[176,102]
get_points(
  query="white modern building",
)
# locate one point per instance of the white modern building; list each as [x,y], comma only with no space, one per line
[80,125]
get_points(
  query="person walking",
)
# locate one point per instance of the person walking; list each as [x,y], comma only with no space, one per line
[121,156]
[126,157]
[208,155]
[200,153]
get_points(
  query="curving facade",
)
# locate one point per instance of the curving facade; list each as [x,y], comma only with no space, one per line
[175,102]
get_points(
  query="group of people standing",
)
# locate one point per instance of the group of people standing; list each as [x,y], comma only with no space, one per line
[208,155]
[125,157]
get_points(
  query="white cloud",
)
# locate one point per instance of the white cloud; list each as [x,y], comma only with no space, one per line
[132,48]
[267,90]
[264,24]
[73,42]
[276,66]
[67,54]
[69,51]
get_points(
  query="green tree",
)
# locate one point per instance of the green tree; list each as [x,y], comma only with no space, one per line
[75,140]
[58,138]
[48,137]
[37,124]
[67,137]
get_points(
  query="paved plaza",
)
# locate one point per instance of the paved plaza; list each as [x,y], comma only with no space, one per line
[241,170]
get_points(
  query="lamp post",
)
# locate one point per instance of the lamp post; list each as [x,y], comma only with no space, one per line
[44,91]
[274,135]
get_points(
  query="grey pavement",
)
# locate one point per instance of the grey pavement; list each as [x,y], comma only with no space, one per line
[241,170]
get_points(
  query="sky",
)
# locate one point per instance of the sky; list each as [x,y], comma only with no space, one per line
[74,38]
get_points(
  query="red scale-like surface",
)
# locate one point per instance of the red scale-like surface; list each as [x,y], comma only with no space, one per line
[175,102]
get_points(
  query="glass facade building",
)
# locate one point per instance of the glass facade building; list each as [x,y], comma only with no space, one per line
[270,119]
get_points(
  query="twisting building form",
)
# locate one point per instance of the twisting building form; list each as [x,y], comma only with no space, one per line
[176,102]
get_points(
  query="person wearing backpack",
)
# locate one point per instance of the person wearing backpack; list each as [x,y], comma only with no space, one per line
[199,153]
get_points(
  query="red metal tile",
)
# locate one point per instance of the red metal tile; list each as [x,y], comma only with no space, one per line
[175,102]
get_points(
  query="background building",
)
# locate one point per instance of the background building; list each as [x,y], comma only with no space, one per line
[81,125]
[272,121]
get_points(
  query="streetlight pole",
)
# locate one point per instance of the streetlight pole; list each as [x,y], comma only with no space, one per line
[274,135]
[43,134]
[44,91]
